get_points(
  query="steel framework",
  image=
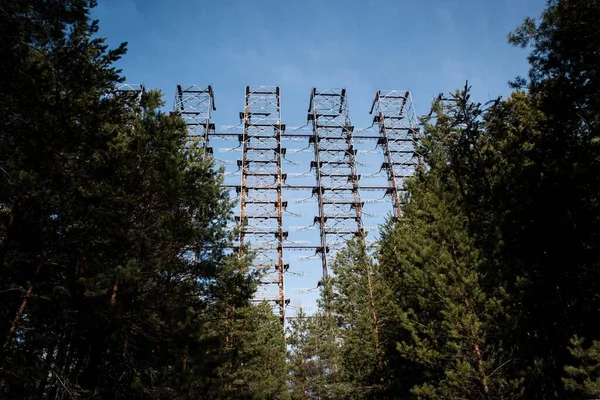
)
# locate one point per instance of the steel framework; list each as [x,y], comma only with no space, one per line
[195,105]
[261,205]
[396,118]
[340,209]
[134,90]
[270,166]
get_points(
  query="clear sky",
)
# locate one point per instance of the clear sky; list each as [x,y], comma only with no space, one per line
[427,47]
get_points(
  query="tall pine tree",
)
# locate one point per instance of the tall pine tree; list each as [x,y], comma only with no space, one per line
[448,320]
[115,281]
[356,299]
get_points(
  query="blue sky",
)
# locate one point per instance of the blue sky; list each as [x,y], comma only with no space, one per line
[427,46]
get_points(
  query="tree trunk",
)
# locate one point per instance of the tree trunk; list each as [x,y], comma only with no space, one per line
[375,323]
[17,319]
[115,290]
[479,357]
[15,214]
[484,380]
[185,363]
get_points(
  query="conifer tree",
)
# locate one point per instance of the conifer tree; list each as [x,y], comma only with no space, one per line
[448,321]
[115,275]
[302,364]
[357,302]
[315,359]
[258,367]
[546,210]
[583,375]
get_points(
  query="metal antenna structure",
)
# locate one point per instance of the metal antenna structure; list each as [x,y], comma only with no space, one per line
[396,119]
[261,205]
[136,90]
[195,105]
[339,205]
[300,195]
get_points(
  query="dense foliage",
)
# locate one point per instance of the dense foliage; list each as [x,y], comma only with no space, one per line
[487,285]
[115,279]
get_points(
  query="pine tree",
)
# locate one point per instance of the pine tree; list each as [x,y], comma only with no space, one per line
[115,276]
[301,358]
[259,369]
[357,294]
[449,322]
[54,116]
[315,359]
[548,215]
[583,378]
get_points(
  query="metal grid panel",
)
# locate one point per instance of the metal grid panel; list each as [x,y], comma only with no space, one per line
[130,87]
[195,104]
[397,123]
[261,205]
[339,206]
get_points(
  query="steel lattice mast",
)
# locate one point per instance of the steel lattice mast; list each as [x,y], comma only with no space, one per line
[195,105]
[339,205]
[261,205]
[264,177]
[397,123]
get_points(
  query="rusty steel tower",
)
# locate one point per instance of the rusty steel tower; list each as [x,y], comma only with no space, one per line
[396,119]
[261,181]
[336,188]
[302,193]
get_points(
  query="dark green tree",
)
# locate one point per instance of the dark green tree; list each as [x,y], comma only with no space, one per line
[302,363]
[582,377]
[258,368]
[357,302]
[115,281]
[547,209]
[315,356]
[54,119]
[448,321]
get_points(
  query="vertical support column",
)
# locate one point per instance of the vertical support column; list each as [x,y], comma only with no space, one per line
[195,105]
[337,187]
[281,235]
[261,203]
[354,177]
[395,116]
